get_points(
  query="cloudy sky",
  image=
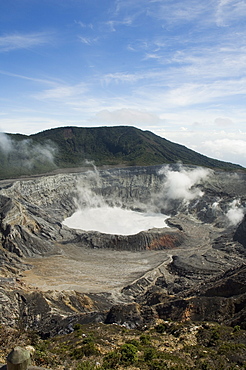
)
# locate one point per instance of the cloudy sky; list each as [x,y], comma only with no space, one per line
[174,67]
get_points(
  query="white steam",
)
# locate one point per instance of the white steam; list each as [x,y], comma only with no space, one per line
[235,213]
[182,184]
[5,143]
[26,153]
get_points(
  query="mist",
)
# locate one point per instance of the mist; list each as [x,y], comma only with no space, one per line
[5,143]
[19,155]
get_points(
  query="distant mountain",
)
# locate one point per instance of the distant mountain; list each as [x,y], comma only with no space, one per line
[66,147]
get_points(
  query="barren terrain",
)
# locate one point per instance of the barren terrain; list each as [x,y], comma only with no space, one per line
[90,270]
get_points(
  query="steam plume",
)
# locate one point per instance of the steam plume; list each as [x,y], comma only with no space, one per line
[182,184]
[235,213]
[5,143]
[20,155]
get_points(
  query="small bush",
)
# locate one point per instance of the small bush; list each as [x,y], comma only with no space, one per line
[236,328]
[134,342]
[88,349]
[89,339]
[215,336]
[111,360]
[161,328]
[145,339]
[77,327]
[157,365]
[150,354]
[128,354]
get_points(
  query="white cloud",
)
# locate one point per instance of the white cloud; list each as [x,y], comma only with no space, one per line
[33,124]
[121,77]
[23,41]
[169,11]
[126,116]
[33,79]
[88,40]
[223,145]
[223,122]
[84,25]
[61,92]
[220,12]
[229,11]
[113,24]
[182,10]
[189,94]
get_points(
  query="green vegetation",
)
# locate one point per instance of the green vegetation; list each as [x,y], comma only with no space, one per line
[68,147]
[168,345]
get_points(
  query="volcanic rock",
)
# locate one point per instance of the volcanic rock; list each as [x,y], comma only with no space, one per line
[240,234]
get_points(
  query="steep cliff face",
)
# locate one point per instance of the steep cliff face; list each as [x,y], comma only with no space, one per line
[157,269]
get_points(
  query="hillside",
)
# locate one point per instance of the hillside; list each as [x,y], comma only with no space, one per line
[66,147]
[168,345]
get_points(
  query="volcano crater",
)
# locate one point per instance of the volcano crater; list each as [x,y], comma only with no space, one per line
[40,252]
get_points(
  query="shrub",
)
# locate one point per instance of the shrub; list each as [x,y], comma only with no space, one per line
[157,365]
[161,328]
[77,327]
[88,349]
[145,339]
[236,328]
[150,354]
[134,342]
[111,360]
[89,339]
[128,354]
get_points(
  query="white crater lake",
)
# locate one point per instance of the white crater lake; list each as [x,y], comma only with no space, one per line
[114,220]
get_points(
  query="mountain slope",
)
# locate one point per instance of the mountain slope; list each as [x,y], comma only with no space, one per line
[121,144]
[72,146]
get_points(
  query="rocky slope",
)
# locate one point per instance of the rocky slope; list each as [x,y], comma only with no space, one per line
[192,269]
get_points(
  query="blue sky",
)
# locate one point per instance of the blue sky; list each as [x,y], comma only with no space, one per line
[176,68]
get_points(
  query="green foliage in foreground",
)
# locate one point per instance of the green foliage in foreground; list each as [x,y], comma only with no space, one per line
[169,345]
[69,147]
